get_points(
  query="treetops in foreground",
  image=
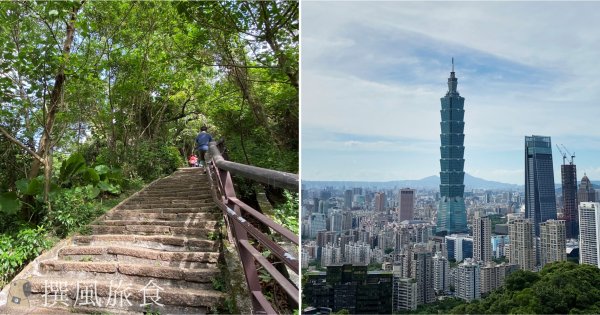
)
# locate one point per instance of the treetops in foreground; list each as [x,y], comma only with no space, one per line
[559,288]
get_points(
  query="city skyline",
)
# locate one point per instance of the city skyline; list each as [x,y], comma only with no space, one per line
[372,75]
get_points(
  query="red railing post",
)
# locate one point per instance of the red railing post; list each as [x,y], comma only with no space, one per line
[239,227]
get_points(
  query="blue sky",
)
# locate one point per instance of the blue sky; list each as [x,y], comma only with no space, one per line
[373,73]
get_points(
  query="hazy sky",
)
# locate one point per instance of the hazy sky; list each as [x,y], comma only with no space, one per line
[373,74]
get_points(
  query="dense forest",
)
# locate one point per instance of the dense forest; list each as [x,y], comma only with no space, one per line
[559,288]
[99,98]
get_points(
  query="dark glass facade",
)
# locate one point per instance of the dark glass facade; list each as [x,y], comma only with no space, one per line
[349,287]
[569,197]
[540,197]
[452,216]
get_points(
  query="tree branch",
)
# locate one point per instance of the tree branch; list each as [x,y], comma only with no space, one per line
[19,143]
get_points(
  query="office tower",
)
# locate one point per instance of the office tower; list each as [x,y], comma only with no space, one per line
[441,274]
[404,293]
[459,246]
[468,281]
[492,275]
[379,202]
[569,198]
[348,199]
[422,272]
[553,243]
[452,215]
[522,252]
[407,204]
[586,192]
[589,233]
[482,238]
[540,198]
[317,223]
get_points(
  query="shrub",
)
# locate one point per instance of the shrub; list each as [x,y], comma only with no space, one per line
[15,251]
[71,210]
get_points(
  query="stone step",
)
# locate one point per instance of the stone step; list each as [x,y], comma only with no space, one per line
[158,242]
[159,205]
[155,214]
[175,192]
[195,223]
[151,230]
[126,271]
[110,295]
[166,210]
[145,198]
[148,255]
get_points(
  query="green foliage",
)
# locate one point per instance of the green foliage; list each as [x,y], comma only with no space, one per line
[20,248]
[437,307]
[73,166]
[287,214]
[218,283]
[520,280]
[72,209]
[9,203]
[559,288]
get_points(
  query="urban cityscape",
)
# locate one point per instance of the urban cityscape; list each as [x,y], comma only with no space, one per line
[372,248]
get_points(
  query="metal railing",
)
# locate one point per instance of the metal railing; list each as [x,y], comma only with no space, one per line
[238,218]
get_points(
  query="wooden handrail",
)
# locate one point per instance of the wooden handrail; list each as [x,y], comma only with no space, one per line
[262,175]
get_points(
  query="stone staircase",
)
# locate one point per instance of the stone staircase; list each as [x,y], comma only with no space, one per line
[156,252]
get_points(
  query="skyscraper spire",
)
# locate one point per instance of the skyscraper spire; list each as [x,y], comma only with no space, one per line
[452,81]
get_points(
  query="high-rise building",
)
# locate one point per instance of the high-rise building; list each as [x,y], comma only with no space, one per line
[407,204]
[522,252]
[331,255]
[569,198]
[586,192]
[348,199]
[349,287]
[553,243]
[404,294]
[492,275]
[422,272]
[441,274]
[379,202]
[336,220]
[589,233]
[540,197]
[459,246]
[468,281]
[452,215]
[317,223]
[482,238]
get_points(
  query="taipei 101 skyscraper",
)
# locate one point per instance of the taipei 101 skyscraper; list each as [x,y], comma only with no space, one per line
[452,215]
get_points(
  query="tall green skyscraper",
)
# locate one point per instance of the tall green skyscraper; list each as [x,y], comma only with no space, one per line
[452,215]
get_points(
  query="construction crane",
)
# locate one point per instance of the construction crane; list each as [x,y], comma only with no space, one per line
[572,155]
[564,156]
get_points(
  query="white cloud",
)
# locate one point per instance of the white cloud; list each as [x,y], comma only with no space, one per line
[379,69]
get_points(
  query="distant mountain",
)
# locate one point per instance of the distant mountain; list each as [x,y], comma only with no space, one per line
[430,182]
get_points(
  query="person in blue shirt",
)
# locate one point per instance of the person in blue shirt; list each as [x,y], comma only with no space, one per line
[202,141]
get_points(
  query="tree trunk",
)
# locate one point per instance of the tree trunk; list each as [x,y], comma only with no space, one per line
[55,103]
